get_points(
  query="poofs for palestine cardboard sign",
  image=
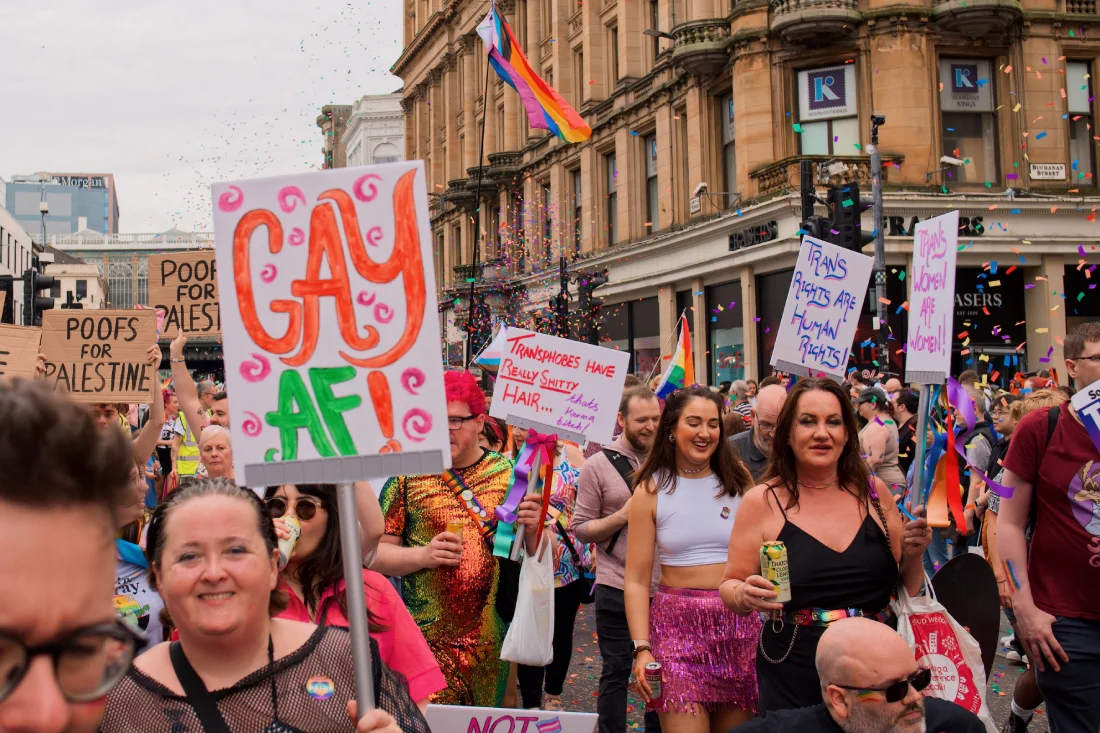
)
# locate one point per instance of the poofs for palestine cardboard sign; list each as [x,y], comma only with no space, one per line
[330,330]
[185,286]
[100,355]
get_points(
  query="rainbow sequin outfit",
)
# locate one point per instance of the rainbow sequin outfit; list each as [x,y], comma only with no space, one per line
[454,606]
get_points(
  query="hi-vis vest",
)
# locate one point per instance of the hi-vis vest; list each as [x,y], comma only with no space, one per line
[188,461]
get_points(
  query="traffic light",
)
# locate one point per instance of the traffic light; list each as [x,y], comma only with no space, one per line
[589,305]
[7,287]
[845,205]
[817,227]
[33,303]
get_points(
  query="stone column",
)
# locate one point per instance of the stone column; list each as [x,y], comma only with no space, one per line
[437,110]
[756,135]
[451,112]
[513,107]
[470,87]
[1038,303]
[666,304]
[665,135]
[748,321]
[699,136]
[489,112]
[535,35]
[699,340]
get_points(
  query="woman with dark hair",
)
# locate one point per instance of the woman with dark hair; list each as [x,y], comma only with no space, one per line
[879,443]
[494,436]
[847,548]
[685,500]
[314,581]
[213,559]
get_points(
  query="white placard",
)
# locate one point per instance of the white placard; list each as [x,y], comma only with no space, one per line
[329,325]
[558,385]
[1087,404]
[932,303]
[462,719]
[1047,171]
[822,310]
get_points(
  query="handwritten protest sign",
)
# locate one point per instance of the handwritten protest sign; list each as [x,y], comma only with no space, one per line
[100,355]
[822,310]
[19,350]
[185,285]
[1087,404]
[330,331]
[462,719]
[932,303]
[557,385]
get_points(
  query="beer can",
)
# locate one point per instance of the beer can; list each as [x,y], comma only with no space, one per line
[286,547]
[653,679]
[773,566]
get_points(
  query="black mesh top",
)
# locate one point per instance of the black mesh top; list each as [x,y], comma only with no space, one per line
[299,703]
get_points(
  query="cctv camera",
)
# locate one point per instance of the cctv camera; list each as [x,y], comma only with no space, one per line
[700,188]
[951,161]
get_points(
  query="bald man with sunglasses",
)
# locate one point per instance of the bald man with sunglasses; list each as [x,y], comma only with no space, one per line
[870,683]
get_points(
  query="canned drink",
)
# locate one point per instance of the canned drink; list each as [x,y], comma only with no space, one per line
[286,547]
[653,679]
[455,528]
[773,566]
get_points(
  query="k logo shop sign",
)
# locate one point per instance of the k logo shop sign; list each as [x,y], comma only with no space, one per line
[966,85]
[827,92]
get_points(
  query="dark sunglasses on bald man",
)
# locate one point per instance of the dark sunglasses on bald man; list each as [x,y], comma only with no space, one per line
[305,508]
[898,690]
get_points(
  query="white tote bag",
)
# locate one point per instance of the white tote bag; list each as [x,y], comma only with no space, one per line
[942,645]
[530,638]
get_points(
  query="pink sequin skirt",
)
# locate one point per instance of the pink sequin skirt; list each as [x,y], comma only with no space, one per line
[707,652]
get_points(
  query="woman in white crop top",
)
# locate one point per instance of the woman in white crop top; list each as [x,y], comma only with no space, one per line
[686,498]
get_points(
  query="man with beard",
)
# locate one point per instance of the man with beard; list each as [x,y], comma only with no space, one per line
[754,447]
[870,683]
[604,493]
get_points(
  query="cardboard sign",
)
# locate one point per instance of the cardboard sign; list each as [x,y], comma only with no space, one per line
[822,310]
[462,719]
[556,385]
[100,355]
[185,285]
[1087,404]
[18,350]
[932,303]
[3,299]
[330,326]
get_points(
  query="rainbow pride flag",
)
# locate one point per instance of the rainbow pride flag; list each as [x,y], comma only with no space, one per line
[681,371]
[546,110]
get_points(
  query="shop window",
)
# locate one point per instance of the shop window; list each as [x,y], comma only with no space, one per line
[613,56]
[578,79]
[684,306]
[969,129]
[652,195]
[729,152]
[645,332]
[725,333]
[1079,107]
[611,212]
[827,109]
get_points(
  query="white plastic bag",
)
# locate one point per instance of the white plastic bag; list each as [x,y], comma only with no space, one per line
[942,645]
[530,638]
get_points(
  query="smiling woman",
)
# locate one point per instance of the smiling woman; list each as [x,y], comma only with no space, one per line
[213,557]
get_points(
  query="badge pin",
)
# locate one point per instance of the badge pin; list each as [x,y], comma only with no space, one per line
[320,688]
[725,512]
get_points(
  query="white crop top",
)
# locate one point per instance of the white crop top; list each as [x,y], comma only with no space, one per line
[693,526]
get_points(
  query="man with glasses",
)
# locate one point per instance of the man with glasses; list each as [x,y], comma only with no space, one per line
[62,647]
[1053,470]
[450,578]
[870,683]
[754,447]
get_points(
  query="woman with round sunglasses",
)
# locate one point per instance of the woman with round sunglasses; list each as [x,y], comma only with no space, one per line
[213,557]
[314,581]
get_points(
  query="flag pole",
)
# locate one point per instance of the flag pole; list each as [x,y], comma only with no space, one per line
[673,335]
[477,208]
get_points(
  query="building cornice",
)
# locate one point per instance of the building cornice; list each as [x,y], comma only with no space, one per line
[420,40]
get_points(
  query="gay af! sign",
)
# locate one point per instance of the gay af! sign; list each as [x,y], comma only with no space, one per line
[330,332]
[462,719]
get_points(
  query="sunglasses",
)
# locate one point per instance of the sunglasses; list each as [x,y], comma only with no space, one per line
[898,690]
[304,508]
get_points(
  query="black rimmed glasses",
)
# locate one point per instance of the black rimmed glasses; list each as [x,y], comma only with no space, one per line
[898,690]
[87,663]
[304,508]
[456,423]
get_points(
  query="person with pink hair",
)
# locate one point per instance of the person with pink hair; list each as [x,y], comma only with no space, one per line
[439,535]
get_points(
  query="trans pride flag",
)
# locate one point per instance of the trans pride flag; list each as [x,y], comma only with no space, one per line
[681,372]
[546,110]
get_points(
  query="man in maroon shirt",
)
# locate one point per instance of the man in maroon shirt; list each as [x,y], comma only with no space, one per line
[1057,603]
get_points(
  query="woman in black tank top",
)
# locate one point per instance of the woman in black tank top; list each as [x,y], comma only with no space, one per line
[815,484]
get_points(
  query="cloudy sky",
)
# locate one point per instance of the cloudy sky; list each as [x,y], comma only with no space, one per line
[172,96]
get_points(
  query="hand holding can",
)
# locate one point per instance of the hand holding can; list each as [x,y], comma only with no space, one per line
[287,544]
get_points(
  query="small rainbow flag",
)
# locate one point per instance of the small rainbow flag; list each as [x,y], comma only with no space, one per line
[546,110]
[681,372]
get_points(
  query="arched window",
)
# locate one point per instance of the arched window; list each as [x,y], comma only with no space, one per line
[386,153]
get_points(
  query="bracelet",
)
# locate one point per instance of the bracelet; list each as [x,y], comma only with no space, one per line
[970,506]
[177,361]
[639,649]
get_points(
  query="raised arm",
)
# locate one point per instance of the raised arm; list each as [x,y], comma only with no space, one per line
[186,392]
[146,441]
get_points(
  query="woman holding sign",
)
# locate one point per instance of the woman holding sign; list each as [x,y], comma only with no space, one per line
[820,514]
[213,557]
[686,497]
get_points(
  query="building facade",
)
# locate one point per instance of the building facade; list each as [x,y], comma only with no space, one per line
[333,121]
[16,252]
[76,281]
[375,132]
[687,191]
[77,201]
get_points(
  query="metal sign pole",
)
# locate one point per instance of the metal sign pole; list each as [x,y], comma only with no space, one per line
[357,608]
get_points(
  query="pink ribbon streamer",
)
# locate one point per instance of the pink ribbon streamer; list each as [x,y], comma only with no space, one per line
[536,445]
[958,398]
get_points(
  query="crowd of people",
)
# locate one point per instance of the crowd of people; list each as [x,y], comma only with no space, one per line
[208,627]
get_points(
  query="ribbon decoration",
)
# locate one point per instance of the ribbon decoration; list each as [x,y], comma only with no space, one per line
[534,457]
[960,400]
[951,467]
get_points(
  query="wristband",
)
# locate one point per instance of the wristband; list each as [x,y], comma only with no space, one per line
[177,361]
[639,649]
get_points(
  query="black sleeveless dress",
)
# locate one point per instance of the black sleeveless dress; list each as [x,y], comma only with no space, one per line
[863,576]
